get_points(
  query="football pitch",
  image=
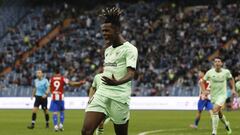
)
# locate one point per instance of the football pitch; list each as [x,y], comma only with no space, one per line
[14,122]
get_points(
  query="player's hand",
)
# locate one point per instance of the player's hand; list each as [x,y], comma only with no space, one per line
[82,82]
[234,93]
[108,81]
[206,92]
[45,96]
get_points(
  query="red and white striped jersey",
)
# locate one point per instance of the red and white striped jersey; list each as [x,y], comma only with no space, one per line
[207,87]
[57,87]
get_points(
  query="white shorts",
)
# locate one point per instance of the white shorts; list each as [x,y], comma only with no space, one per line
[219,101]
[118,112]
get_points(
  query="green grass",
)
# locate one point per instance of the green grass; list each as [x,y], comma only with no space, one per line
[14,122]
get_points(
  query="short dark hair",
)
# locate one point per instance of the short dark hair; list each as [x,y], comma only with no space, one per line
[203,69]
[218,57]
[111,15]
[238,73]
[56,70]
[39,69]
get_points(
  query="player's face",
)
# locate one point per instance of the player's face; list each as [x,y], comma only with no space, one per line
[39,74]
[218,63]
[109,32]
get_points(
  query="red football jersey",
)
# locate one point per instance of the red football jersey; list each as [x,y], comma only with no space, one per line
[57,87]
[207,87]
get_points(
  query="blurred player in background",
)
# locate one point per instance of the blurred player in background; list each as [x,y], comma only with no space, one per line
[229,101]
[40,92]
[96,83]
[204,100]
[218,77]
[236,100]
[113,96]
[238,83]
[57,83]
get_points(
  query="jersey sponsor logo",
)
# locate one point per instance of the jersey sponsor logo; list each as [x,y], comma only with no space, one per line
[111,64]
[56,78]
[218,81]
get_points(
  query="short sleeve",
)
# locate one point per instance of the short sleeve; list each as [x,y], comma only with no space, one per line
[206,76]
[131,57]
[228,74]
[238,86]
[47,83]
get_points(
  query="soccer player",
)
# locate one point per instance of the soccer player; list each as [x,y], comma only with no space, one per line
[204,101]
[40,92]
[238,83]
[96,83]
[236,100]
[218,77]
[57,83]
[113,95]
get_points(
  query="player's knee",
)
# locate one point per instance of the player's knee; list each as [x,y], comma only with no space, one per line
[45,111]
[87,131]
[35,110]
[215,112]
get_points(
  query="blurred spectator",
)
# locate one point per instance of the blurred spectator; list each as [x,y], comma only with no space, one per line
[172,43]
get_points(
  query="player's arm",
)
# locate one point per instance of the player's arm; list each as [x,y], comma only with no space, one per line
[92,90]
[94,86]
[76,84]
[47,91]
[131,63]
[203,81]
[232,85]
[199,84]
[202,85]
[128,77]
[237,86]
[33,92]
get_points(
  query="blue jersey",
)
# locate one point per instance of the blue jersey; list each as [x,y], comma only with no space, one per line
[41,86]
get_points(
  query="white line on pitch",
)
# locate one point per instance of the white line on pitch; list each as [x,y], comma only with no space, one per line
[160,131]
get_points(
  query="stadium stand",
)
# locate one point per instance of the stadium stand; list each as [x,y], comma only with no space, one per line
[173,42]
[11,12]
